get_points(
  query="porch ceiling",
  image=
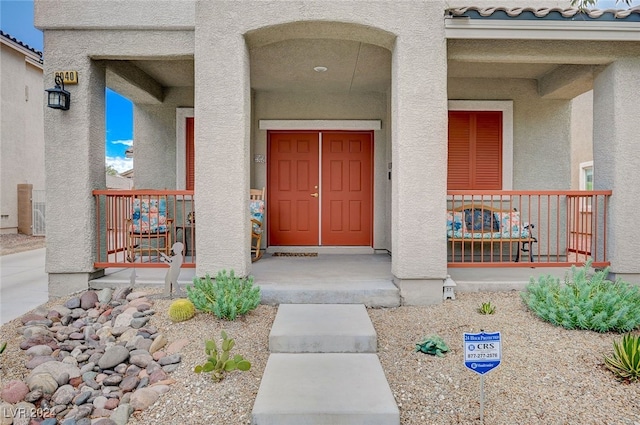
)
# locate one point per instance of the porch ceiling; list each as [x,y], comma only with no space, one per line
[352,66]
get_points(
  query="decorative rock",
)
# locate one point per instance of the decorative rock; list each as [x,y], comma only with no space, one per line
[121,415]
[34,331]
[38,360]
[21,413]
[157,375]
[100,402]
[105,421]
[64,395]
[159,342]
[129,383]
[75,382]
[6,413]
[14,391]
[113,356]
[143,398]
[104,295]
[121,368]
[144,382]
[160,388]
[176,346]
[82,398]
[139,322]
[88,376]
[57,368]
[112,403]
[140,358]
[42,381]
[171,367]
[135,295]
[174,358]
[123,320]
[158,355]
[112,380]
[39,340]
[33,396]
[88,300]
[127,335]
[31,317]
[42,322]
[49,421]
[62,379]
[70,360]
[72,303]
[39,350]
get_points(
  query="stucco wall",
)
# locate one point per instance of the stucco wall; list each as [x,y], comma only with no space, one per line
[154,140]
[21,132]
[298,106]
[581,135]
[541,130]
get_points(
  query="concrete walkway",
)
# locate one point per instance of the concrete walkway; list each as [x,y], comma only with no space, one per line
[23,283]
[324,370]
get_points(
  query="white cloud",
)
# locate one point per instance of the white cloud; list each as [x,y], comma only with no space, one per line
[122,142]
[119,164]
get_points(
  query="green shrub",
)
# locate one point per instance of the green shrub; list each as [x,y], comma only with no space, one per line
[486,308]
[227,297]
[584,302]
[433,345]
[219,362]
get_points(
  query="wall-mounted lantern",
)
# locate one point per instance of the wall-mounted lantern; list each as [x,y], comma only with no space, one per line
[58,97]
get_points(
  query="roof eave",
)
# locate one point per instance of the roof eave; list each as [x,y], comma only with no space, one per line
[499,29]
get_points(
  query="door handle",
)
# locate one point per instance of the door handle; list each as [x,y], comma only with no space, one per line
[315,195]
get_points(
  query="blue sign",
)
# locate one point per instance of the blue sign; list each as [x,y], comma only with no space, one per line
[482,351]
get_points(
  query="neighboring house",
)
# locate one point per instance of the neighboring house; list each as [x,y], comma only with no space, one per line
[364,120]
[21,132]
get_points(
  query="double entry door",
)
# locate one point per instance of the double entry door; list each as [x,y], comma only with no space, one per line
[320,189]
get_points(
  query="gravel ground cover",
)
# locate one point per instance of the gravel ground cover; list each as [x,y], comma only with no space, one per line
[17,242]
[548,375]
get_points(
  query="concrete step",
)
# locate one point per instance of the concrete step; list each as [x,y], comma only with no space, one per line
[322,328]
[334,388]
[372,293]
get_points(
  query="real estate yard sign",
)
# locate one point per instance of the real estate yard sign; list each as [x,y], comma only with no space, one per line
[482,354]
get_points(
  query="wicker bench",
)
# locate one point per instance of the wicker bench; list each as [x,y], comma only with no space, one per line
[478,223]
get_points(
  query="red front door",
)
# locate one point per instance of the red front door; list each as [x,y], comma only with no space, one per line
[292,204]
[297,197]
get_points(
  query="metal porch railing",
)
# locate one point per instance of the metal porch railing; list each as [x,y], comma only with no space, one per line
[548,229]
[115,207]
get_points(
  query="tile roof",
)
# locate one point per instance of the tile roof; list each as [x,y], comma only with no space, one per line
[550,13]
[26,46]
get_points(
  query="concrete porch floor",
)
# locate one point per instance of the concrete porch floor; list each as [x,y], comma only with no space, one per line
[343,270]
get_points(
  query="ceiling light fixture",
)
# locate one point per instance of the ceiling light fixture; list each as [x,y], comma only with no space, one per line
[320,69]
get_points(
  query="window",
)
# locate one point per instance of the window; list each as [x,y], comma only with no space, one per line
[475,150]
[586,175]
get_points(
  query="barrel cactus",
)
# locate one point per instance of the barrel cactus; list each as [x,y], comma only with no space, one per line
[181,310]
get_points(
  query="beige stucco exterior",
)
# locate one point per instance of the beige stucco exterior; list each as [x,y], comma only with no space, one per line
[21,129]
[236,63]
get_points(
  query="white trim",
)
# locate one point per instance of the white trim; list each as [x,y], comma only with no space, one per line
[351,125]
[506,107]
[181,146]
[583,166]
[500,29]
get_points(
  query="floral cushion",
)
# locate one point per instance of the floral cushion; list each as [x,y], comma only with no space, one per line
[149,215]
[256,208]
[485,224]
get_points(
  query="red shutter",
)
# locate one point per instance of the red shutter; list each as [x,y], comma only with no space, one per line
[190,153]
[475,150]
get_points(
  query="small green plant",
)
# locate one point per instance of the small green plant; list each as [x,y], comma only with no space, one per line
[433,345]
[3,346]
[228,296]
[585,302]
[625,361]
[486,308]
[219,362]
[181,309]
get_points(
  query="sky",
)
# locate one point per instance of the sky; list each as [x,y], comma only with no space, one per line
[16,19]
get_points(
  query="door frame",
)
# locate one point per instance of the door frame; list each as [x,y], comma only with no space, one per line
[327,126]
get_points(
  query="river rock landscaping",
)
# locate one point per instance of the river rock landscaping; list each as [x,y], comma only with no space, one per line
[94,357]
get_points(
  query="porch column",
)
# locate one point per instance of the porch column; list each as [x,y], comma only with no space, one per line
[74,166]
[616,138]
[222,128]
[419,153]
